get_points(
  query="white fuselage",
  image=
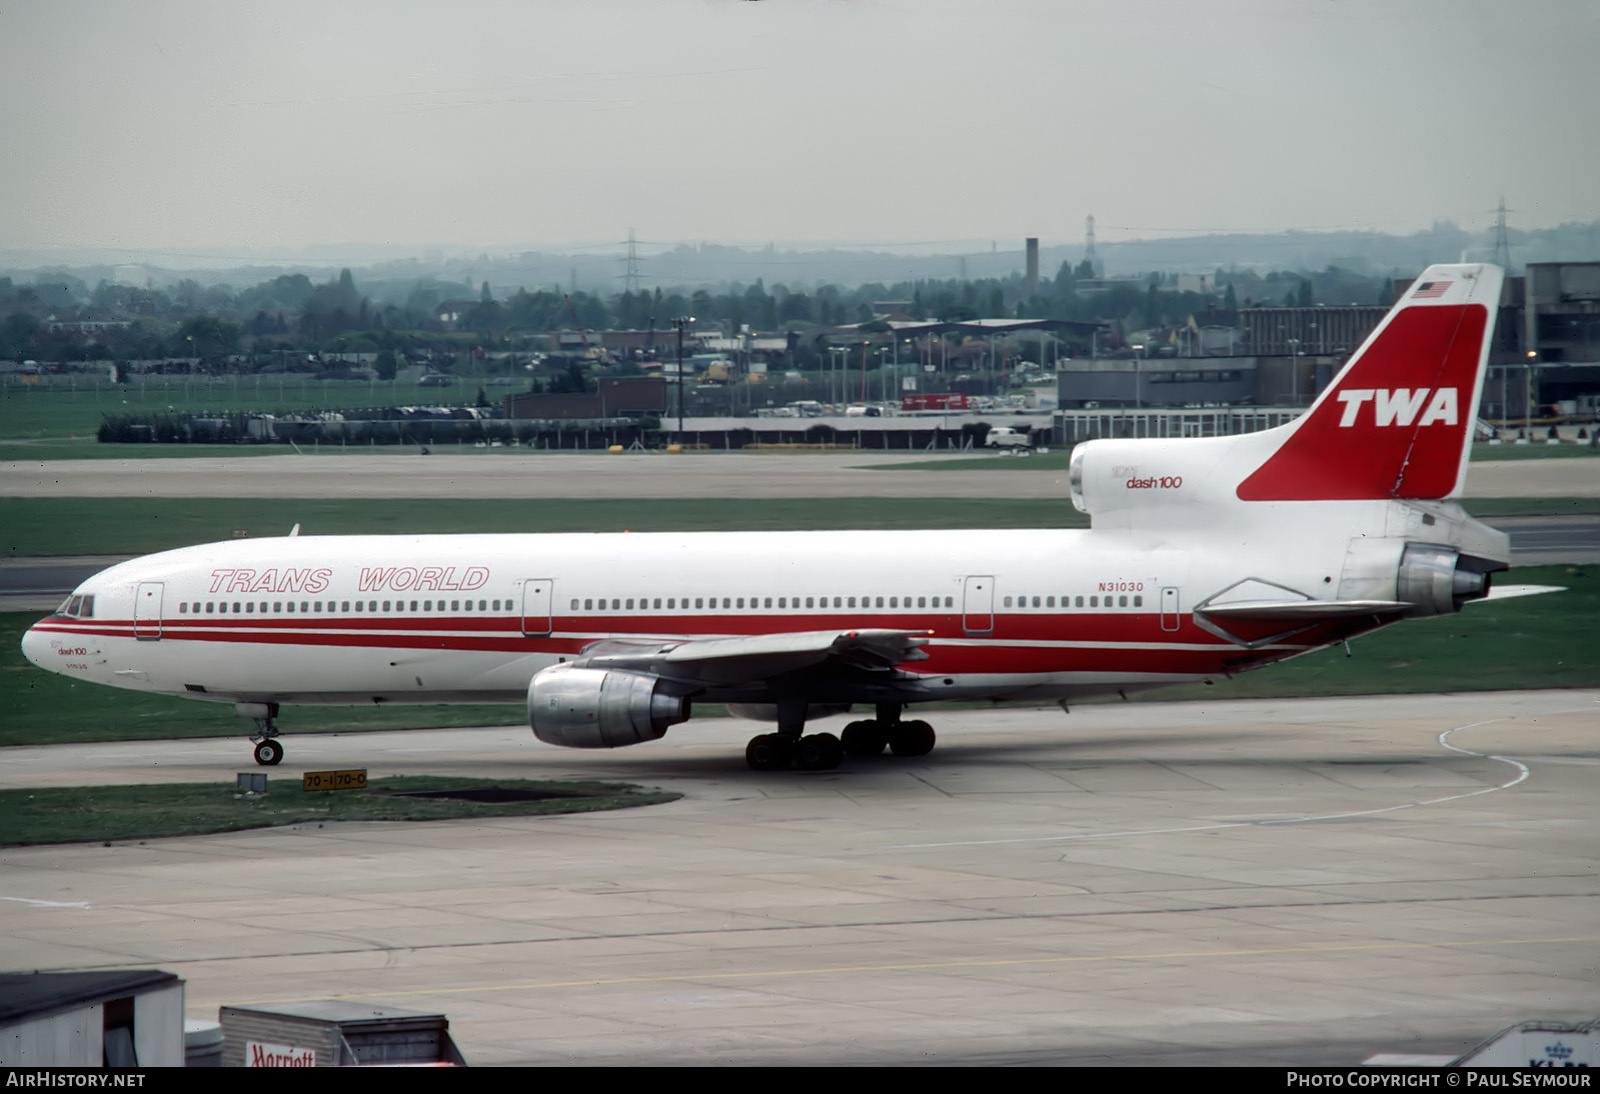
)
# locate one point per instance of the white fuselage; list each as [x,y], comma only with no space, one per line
[422,619]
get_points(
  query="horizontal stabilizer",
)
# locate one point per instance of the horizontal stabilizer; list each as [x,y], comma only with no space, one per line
[1506,592]
[1302,611]
[1256,623]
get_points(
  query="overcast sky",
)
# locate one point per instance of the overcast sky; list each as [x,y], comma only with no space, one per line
[151,128]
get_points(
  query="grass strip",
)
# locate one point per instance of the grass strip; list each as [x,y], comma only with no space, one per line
[36,527]
[1058,458]
[70,814]
[134,526]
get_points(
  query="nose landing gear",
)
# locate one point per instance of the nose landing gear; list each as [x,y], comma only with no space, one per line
[269,750]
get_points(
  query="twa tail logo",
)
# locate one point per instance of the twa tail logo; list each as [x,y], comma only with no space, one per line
[1399,406]
[1395,422]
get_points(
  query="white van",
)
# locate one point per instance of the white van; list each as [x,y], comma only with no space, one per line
[1003,436]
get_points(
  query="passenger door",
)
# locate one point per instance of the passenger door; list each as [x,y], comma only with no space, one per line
[538,594]
[147,610]
[977,605]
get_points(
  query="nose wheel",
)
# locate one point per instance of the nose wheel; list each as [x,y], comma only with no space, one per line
[269,750]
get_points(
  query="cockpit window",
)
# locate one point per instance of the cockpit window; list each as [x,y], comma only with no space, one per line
[77,607]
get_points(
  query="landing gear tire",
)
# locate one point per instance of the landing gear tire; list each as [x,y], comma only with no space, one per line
[818,752]
[864,738]
[912,739]
[269,753]
[769,752]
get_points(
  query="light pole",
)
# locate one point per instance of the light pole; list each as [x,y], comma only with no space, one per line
[1294,370]
[680,323]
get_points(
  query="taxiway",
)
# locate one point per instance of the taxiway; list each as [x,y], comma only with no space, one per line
[1279,882]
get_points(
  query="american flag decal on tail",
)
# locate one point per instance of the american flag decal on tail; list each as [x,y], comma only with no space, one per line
[1429,290]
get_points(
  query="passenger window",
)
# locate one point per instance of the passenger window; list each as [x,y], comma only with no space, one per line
[699,602]
[657,605]
[1008,602]
[630,603]
[183,608]
[358,605]
[386,605]
[880,602]
[769,602]
[672,603]
[741,602]
[1122,602]
[809,602]
[838,602]
[1035,602]
[1079,602]
[1049,601]
[455,605]
[250,606]
[949,602]
[574,603]
[1094,602]
[1138,602]
[211,606]
[290,607]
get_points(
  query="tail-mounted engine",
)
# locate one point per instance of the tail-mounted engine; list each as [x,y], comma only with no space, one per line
[579,707]
[1439,580]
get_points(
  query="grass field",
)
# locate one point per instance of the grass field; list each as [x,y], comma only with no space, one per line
[1544,641]
[31,412]
[1058,459]
[68,526]
[60,814]
[134,526]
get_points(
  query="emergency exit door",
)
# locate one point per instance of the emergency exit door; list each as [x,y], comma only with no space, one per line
[1169,608]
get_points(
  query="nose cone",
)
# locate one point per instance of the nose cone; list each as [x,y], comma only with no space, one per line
[36,648]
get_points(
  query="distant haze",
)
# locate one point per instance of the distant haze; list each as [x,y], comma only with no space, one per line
[158,132]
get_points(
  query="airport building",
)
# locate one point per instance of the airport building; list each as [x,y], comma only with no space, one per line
[1233,372]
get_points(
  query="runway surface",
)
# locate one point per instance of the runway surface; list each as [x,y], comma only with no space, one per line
[632,475]
[1280,882]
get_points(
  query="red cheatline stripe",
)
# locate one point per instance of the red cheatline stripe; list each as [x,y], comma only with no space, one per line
[992,657]
[1026,626]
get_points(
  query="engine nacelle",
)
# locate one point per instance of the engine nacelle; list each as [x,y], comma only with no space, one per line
[579,707]
[1439,580]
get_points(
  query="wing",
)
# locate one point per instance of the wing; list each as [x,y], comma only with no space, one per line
[730,662]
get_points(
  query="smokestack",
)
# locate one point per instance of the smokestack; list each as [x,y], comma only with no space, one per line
[1033,267]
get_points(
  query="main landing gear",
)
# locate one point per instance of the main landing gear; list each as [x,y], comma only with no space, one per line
[269,750]
[822,751]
